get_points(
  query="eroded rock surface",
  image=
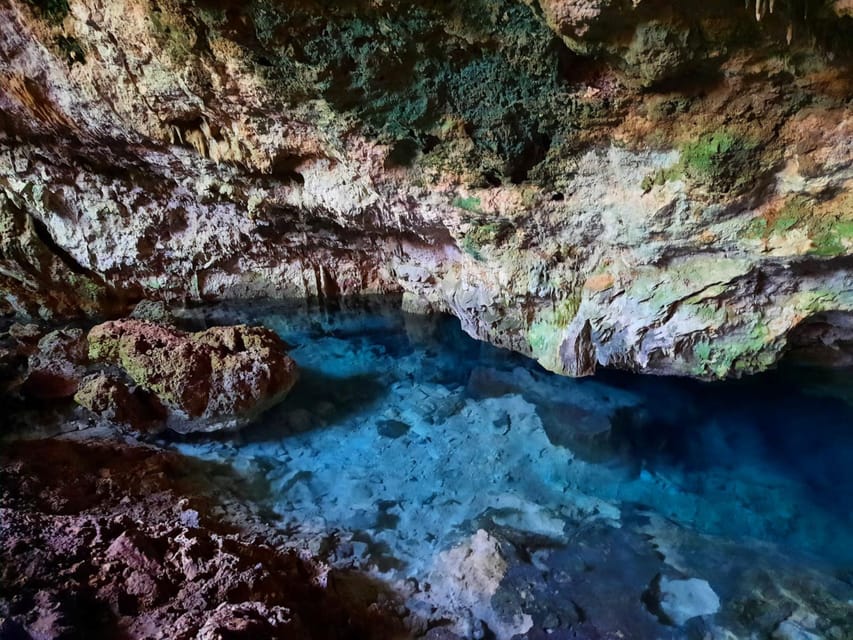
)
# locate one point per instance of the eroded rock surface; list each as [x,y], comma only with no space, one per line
[110,398]
[57,365]
[217,379]
[664,188]
[130,549]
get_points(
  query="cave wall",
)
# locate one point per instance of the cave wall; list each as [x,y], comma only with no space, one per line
[652,186]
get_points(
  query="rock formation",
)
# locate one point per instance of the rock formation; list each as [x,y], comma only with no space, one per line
[130,549]
[213,380]
[56,365]
[637,185]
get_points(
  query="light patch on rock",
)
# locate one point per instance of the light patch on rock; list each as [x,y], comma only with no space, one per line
[682,600]
[464,580]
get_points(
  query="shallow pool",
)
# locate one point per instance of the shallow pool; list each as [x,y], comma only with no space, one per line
[407,437]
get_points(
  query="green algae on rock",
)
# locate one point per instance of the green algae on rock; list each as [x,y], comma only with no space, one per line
[214,380]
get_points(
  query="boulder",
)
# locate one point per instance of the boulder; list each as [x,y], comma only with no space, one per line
[57,365]
[111,399]
[213,380]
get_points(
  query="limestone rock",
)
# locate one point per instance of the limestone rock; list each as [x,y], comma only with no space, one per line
[799,626]
[26,335]
[463,582]
[108,555]
[250,620]
[218,379]
[153,311]
[676,601]
[111,399]
[843,7]
[592,183]
[57,365]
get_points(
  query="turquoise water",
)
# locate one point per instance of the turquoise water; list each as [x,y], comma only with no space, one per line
[405,437]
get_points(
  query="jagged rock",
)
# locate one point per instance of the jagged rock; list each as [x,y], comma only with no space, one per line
[677,601]
[249,620]
[26,335]
[644,186]
[111,399]
[57,366]
[108,556]
[799,626]
[153,311]
[218,379]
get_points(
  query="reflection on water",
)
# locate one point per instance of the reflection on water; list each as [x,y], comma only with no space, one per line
[407,437]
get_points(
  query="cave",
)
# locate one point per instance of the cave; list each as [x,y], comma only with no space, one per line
[508,319]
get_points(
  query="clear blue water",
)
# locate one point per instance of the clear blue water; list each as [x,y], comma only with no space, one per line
[406,437]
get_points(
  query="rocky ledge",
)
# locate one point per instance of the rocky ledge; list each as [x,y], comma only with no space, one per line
[652,186]
[132,547]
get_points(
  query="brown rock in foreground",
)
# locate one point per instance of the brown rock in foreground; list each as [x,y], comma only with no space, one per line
[103,540]
[213,380]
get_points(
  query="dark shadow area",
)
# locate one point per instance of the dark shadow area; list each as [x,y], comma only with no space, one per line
[345,397]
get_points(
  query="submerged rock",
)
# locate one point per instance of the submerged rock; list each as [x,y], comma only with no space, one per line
[213,380]
[677,601]
[463,582]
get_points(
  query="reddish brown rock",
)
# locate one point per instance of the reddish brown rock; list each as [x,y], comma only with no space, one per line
[112,400]
[218,379]
[57,366]
[102,540]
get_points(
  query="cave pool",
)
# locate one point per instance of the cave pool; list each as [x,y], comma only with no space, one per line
[405,437]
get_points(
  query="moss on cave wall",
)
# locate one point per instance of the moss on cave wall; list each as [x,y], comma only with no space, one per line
[507,80]
[403,68]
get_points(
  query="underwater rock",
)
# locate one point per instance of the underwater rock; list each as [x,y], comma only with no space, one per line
[678,601]
[392,428]
[798,626]
[462,584]
[57,366]
[213,380]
